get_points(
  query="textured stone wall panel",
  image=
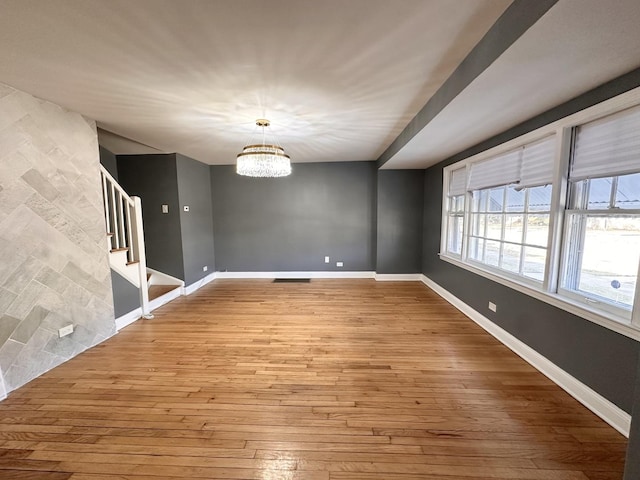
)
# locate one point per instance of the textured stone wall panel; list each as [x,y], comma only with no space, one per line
[53,260]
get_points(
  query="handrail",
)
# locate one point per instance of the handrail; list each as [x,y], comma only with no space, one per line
[123,220]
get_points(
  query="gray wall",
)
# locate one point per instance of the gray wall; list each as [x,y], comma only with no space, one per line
[126,296]
[153,178]
[399,225]
[600,358]
[109,162]
[194,190]
[291,223]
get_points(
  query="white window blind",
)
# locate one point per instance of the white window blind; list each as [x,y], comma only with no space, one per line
[537,163]
[458,182]
[501,170]
[607,147]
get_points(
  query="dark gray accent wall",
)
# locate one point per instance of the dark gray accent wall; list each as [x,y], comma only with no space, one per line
[126,296]
[291,223]
[602,359]
[516,20]
[109,162]
[194,190]
[399,225]
[153,178]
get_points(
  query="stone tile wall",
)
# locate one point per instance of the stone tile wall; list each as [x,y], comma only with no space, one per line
[54,268]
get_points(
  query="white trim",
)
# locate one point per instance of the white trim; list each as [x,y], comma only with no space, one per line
[166,279]
[3,388]
[617,324]
[166,298]
[606,410]
[398,277]
[199,284]
[128,318]
[318,274]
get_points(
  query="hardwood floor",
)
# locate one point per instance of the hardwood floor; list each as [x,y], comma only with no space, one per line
[335,379]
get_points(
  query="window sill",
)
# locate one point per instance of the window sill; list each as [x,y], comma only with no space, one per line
[610,321]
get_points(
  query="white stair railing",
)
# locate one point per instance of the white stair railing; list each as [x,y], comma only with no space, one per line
[123,218]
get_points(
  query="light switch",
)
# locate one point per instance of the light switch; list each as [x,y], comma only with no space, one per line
[165,208]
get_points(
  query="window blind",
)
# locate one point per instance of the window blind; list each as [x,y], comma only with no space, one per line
[607,147]
[458,182]
[538,160]
[501,170]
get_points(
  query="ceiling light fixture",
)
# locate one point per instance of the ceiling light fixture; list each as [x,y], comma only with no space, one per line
[265,160]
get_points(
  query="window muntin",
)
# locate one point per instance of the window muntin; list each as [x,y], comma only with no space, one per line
[506,233]
[595,172]
[602,242]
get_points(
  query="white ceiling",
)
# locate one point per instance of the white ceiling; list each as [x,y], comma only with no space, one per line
[338,79]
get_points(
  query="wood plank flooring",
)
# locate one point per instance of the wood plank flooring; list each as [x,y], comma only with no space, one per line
[331,380]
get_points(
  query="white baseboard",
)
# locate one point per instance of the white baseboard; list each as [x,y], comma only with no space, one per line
[318,274]
[128,318]
[166,298]
[398,277]
[606,410]
[199,284]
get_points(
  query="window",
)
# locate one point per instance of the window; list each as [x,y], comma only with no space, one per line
[557,217]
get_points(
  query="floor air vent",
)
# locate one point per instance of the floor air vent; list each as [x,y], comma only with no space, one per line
[291,280]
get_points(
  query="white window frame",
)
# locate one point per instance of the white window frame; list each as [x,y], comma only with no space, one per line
[548,291]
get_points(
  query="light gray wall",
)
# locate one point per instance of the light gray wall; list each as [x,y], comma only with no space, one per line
[53,246]
[194,190]
[291,223]
[153,178]
[602,359]
[399,224]
[126,296]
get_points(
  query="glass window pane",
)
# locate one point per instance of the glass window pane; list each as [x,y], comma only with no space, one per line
[494,226]
[476,249]
[513,226]
[496,199]
[540,198]
[479,203]
[515,200]
[610,256]
[628,192]
[454,244]
[599,193]
[511,257]
[492,253]
[537,229]
[534,261]
[478,223]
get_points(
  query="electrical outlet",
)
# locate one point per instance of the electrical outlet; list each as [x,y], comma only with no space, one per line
[493,307]
[339,264]
[205,268]
[64,331]
[327,259]
[165,208]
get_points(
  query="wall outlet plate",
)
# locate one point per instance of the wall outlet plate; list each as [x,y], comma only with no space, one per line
[165,208]
[327,259]
[493,307]
[186,208]
[339,264]
[205,268]
[66,330]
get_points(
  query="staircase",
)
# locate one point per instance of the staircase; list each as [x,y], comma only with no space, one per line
[125,241]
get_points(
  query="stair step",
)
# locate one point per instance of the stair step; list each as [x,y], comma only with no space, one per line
[133,262]
[156,291]
[123,249]
[110,234]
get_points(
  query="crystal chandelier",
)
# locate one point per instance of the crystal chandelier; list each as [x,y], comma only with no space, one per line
[264,160]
